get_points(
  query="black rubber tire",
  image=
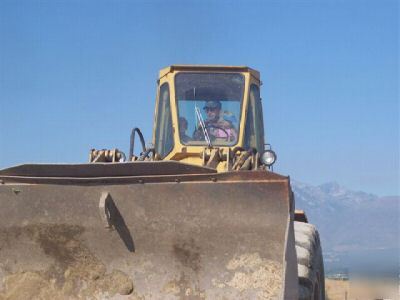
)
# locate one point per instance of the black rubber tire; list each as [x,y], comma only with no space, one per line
[309,262]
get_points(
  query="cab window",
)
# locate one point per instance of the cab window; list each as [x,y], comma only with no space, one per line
[164,137]
[254,131]
[211,99]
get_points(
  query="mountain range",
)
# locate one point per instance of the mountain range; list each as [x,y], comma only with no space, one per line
[356,228]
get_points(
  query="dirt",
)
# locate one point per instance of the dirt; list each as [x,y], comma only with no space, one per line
[354,289]
[183,289]
[251,272]
[75,273]
[188,254]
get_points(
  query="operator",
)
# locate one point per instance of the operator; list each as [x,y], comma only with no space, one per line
[216,125]
[183,125]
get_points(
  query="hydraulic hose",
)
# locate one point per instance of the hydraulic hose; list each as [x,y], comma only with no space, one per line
[132,142]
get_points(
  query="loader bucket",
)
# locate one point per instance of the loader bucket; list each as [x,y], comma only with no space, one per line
[150,230]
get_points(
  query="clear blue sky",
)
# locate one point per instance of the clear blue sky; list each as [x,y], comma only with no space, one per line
[79,74]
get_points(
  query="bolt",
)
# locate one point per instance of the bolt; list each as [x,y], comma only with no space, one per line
[16,191]
[213,179]
[177,180]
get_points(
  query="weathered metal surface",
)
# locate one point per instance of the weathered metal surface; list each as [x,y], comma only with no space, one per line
[105,169]
[79,175]
[220,236]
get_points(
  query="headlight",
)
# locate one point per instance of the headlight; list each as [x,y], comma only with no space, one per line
[268,158]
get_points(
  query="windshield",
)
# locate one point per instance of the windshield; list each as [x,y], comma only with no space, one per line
[209,107]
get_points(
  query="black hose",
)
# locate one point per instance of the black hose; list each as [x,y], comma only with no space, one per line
[146,154]
[132,142]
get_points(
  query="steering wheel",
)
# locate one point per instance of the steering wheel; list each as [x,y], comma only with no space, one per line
[227,139]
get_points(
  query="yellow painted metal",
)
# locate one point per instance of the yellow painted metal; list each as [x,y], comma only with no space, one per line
[192,154]
[208,68]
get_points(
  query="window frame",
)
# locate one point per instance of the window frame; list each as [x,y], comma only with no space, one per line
[169,127]
[257,119]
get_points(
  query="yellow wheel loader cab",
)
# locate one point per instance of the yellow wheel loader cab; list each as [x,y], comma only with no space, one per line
[184,89]
[198,216]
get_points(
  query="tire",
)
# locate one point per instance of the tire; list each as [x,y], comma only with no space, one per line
[309,262]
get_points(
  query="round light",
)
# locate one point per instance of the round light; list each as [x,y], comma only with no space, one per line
[268,158]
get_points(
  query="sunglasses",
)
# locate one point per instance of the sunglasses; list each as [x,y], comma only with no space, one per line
[207,109]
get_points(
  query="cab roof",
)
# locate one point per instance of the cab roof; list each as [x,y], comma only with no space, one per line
[211,68]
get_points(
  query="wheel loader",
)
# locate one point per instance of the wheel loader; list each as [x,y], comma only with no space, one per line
[196,214]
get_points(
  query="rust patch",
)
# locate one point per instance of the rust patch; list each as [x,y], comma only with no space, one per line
[59,241]
[187,285]
[188,253]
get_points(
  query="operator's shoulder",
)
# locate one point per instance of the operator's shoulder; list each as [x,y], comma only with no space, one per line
[224,123]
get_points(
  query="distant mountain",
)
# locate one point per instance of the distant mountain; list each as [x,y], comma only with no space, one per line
[352,223]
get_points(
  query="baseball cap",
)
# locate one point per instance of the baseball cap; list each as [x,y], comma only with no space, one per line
[212,104]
